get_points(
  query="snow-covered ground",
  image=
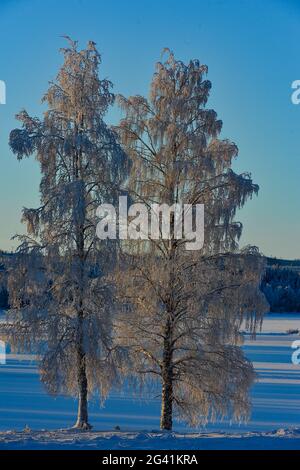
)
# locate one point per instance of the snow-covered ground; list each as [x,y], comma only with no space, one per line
[101,440]
[275,396]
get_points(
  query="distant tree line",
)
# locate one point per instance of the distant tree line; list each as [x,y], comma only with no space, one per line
[284,263]
[281,286]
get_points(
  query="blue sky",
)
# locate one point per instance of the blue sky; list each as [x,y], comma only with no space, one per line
[250,47]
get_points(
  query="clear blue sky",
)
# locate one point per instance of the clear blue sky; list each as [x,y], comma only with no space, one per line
[251,48]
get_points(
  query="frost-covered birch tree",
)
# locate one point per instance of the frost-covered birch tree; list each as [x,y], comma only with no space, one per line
[61,304]
[183,309]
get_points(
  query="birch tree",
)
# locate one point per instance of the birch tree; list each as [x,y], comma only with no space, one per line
[61,305]
[182,309]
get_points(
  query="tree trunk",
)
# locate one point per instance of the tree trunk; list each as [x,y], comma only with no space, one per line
[82,416]
[166,419]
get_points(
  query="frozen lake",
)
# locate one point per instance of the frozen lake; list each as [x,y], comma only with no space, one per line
[275,396]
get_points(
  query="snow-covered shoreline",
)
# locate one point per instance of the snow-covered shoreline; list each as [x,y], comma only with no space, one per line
[72,440]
